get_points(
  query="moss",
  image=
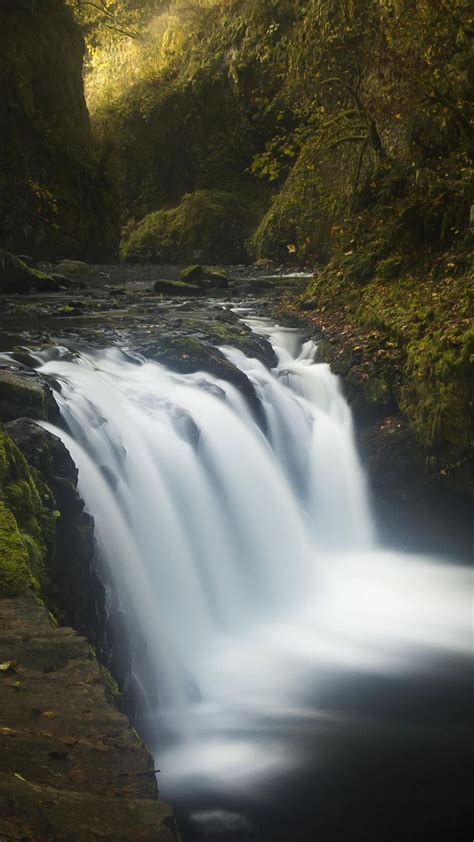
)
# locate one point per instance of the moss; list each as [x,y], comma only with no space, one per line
[405,336]
[192,273]
[209,224]
[27,531]
[111,687]
[15,573]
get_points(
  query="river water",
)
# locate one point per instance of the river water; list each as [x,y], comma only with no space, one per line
[296,679]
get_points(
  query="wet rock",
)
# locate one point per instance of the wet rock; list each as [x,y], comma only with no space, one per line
[71,767]
[17,277]
[25,393]
[208,276]
[177,288]
[29,261]
[63,280]
[72,586]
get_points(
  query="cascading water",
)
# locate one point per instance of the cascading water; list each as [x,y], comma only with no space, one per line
[244,559]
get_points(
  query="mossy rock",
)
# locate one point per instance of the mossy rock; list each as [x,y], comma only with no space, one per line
[177,288]
[15,573]
[205,275]
[27,522]
[17,277]
[192,273]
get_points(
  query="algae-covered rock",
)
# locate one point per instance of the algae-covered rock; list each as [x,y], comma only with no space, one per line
[15,573]
[192,273]
[71,586]
[177,288]
[17,277]
[207,276]
[27,523]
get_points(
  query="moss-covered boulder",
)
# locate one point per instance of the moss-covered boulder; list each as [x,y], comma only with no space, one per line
[164,287]
[17,277]
[210,276]
[208,225]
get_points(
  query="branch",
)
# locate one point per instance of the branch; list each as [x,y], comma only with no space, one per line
[359,168]
[348,139]
[373,131]
[118,26]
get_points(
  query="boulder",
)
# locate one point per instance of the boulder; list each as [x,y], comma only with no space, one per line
[210,276]
[17,277]
[26,394]
[177,288]
[30,261]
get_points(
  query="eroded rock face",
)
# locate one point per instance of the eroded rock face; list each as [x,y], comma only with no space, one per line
[71,768]
[72,588]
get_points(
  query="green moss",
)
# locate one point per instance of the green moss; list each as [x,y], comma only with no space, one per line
[27,529]
[112,689]
[405,336]
[209,224]
[15,572]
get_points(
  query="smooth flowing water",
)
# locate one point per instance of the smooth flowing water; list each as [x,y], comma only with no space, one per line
[244,563]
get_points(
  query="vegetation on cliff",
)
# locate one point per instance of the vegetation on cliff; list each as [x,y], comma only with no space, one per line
[352,121]
[55,197]
[27,523]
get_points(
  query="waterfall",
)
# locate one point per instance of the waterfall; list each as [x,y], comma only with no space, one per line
[243,557]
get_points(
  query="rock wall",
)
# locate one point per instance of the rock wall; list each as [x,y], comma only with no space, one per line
[55,196]
[71,767]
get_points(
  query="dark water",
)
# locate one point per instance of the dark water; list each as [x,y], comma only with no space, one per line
[391,762]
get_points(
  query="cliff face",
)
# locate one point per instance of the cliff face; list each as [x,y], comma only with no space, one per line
[55,198]
[71,767]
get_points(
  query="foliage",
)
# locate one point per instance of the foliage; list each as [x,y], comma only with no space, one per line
[206,225]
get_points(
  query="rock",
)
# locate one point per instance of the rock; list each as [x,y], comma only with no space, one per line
[192,273]
[177,288]
[26,394]
[30,261]
[205,275]
[72,768]
[63,280]
[17,277]
[72,586]
[70,268]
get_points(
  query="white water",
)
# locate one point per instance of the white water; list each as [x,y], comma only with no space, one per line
[247,565]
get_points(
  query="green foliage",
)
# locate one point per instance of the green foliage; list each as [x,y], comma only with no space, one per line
[208,225]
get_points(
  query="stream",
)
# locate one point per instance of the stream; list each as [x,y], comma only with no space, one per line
[294,678]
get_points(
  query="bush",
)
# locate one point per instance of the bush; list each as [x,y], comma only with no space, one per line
[208,225]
